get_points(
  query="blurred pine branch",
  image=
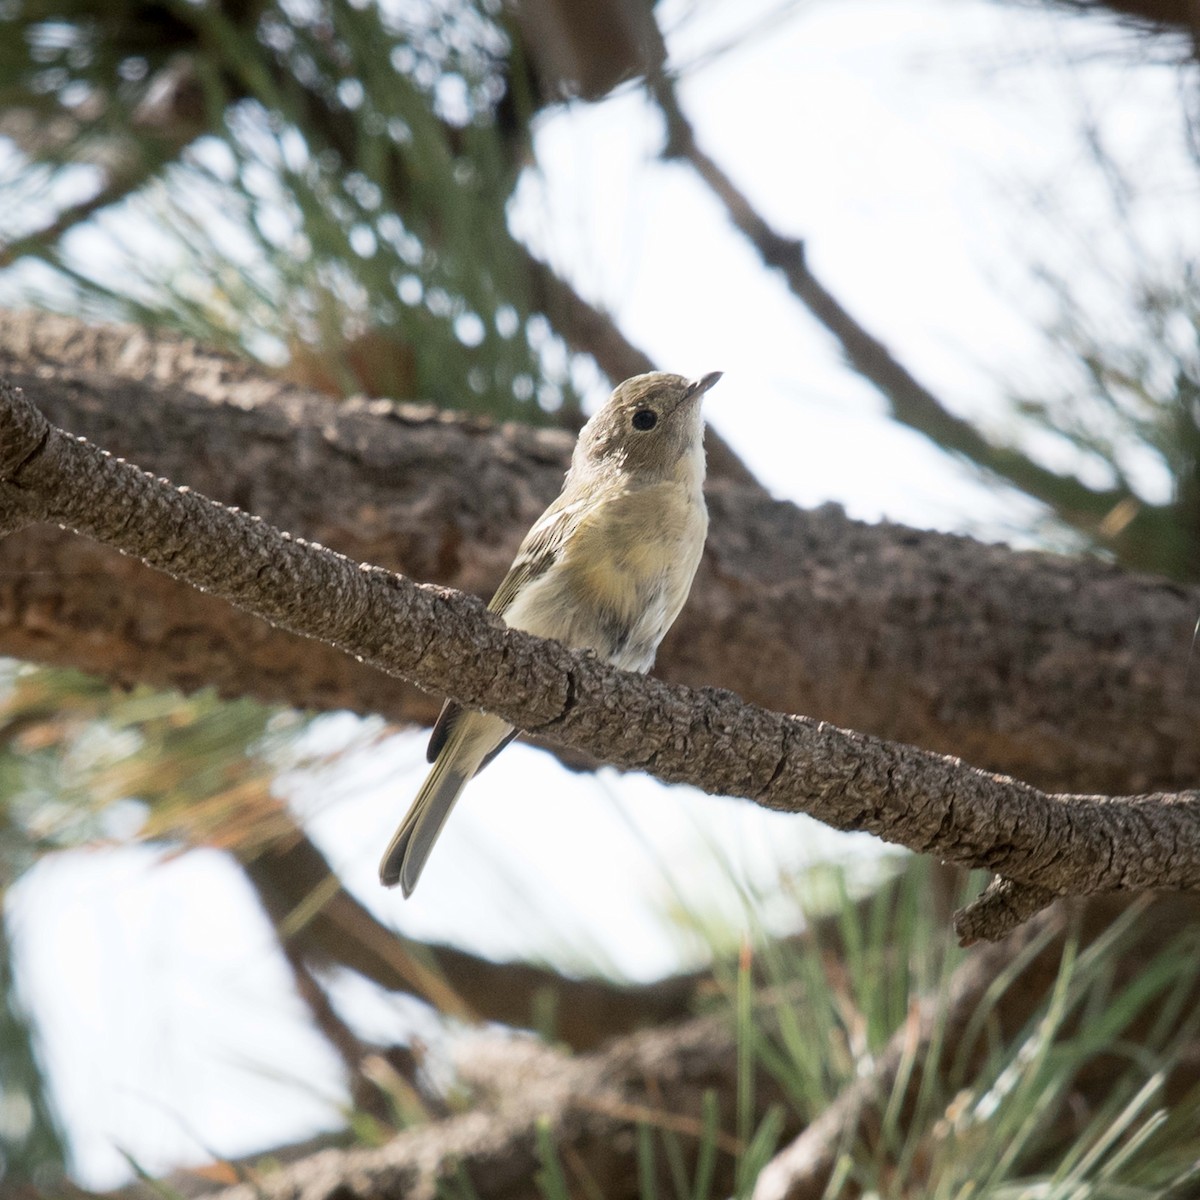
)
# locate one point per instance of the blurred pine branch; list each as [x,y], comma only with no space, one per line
[326,185]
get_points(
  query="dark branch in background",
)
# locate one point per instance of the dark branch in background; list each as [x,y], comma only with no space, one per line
[38,245]
[444,640]
[313,912]
[1143,542]
[586,50]
[1146,16]
[587,1109]
[317,917]
[1064,672]
[127,155]
[585,327]
[174,114]
[365,1094]
[591,1108]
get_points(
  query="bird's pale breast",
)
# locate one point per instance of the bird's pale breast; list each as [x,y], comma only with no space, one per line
[622,576]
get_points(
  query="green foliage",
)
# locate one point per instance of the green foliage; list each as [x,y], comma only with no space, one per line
[1130,406]
[80,762]
[32,1148]
[324,183]
[1094,1096]
[1091,1099]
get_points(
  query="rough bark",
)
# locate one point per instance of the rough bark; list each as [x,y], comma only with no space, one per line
[1064,672]
[1064,844]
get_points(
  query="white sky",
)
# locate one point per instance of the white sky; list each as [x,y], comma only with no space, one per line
[904,142]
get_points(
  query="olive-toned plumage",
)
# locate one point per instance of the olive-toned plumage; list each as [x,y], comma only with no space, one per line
[607,567]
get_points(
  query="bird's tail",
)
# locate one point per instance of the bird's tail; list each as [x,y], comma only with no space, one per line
[474,739]
[406,853]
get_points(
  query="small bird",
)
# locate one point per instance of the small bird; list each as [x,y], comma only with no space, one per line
[606,567]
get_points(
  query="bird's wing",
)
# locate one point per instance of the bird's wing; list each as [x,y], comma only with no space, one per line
[536,555]
[540,550]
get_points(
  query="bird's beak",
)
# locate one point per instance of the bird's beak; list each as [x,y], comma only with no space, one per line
[698,387]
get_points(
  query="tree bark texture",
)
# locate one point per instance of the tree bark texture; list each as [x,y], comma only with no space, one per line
[1048,844]
[1065,672]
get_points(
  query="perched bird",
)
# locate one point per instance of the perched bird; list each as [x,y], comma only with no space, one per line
[606,567]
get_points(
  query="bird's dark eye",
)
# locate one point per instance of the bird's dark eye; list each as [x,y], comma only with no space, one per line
[645,418]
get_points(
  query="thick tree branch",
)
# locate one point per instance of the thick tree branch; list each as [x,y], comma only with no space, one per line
[1064,672]
[447,641]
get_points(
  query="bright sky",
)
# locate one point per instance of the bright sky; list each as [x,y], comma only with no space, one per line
[906,143]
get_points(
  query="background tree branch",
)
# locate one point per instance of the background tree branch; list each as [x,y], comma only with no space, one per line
[531,1101]
[1064,672]
[1145,537]
[313,911]
[1067,844]
[675,1080]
